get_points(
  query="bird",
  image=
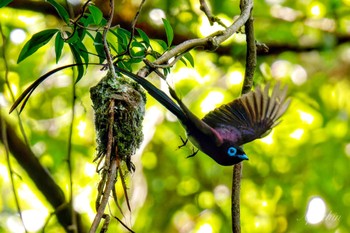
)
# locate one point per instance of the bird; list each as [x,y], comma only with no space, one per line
[221,133]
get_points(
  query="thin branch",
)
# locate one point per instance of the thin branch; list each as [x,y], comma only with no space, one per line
[105,43]
[109,185]
[111,172]
[210,42]
[11,173]
[212,19]
[3,132]
[248,81]
[133,24]
[39,175]
[69,158]
[251,56]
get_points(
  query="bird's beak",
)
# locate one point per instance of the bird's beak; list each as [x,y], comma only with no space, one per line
[243,157]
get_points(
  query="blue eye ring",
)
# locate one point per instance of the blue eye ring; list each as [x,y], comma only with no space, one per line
[231,151]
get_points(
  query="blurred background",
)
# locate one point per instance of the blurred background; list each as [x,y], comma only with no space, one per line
[297,178]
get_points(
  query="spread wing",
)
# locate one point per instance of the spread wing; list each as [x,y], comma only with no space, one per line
[249,117]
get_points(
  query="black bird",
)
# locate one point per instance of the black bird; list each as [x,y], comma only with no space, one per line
[222,131]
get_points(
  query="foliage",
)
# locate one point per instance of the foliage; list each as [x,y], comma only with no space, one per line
[306,156]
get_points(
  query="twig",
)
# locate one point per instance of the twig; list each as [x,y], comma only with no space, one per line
[133,24]
[69,158]
[111,171]
[248,81]
[212,19]
[210,42]
[105,43]
[3,132]
[109,185]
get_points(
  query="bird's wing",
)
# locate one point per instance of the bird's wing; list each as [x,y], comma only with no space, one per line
[250,117]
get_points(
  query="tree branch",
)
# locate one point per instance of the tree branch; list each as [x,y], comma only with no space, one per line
[248,81]
[40,176]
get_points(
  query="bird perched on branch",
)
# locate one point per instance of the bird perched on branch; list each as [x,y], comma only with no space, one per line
[222,131]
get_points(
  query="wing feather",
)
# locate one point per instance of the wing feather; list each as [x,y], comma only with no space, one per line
[251,116]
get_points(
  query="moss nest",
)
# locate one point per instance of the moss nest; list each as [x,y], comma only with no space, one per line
[129,111]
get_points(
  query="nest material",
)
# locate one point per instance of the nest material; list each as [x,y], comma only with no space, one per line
[129,110]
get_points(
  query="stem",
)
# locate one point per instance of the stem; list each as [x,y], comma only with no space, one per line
[248,81]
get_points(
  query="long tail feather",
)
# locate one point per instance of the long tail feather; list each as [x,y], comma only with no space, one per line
[159,95]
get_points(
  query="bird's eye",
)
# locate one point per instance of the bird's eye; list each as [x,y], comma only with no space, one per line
[231,151]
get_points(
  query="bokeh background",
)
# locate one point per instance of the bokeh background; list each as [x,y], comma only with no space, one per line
[297,178]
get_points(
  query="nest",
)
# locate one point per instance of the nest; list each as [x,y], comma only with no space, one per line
[129,109]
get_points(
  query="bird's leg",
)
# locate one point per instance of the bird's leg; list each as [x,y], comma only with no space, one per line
[184,142]
[194,152]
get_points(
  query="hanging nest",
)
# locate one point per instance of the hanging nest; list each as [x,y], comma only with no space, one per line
[129,109]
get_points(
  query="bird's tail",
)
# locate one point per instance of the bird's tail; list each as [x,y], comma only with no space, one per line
[156,93]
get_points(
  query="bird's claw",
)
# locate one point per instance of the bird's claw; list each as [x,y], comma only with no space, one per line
[194,152]
[184,142]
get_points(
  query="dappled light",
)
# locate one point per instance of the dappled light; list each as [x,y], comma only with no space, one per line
[297,175]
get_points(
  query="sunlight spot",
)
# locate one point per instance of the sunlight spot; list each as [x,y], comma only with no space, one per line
[306,117]
[317,9]
[28,20]
[90,169]
[268,139]
[211,101]
[221,193]
[186,73]
[280,69]
[206,29]
[284,13]
[34,220]
[81,200]
[4,173]
[206,200]
[264,203]
[14,224]
[74,2]
[205,228]
[3,100]
[299,75]
[39,148]
[316,211]
[81,128]
[257,224]
[17,36]
[156,16]
[347,149]
[14,89]
[297,134]
[235,77]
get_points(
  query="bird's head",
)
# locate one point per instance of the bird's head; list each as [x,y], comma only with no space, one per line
[229,155]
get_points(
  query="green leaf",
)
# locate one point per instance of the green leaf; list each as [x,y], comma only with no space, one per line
[82,52]
[86,21]
[61,10]
[162,44]
[98,43]
[37,41]
[96,14]
[58,46]
[5,3]
[123,38]
[77,58]
[72,38]
[144,37]
[169,32]
[189,58]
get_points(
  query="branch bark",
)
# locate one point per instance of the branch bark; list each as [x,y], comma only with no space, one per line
[40,176]
[247,85]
